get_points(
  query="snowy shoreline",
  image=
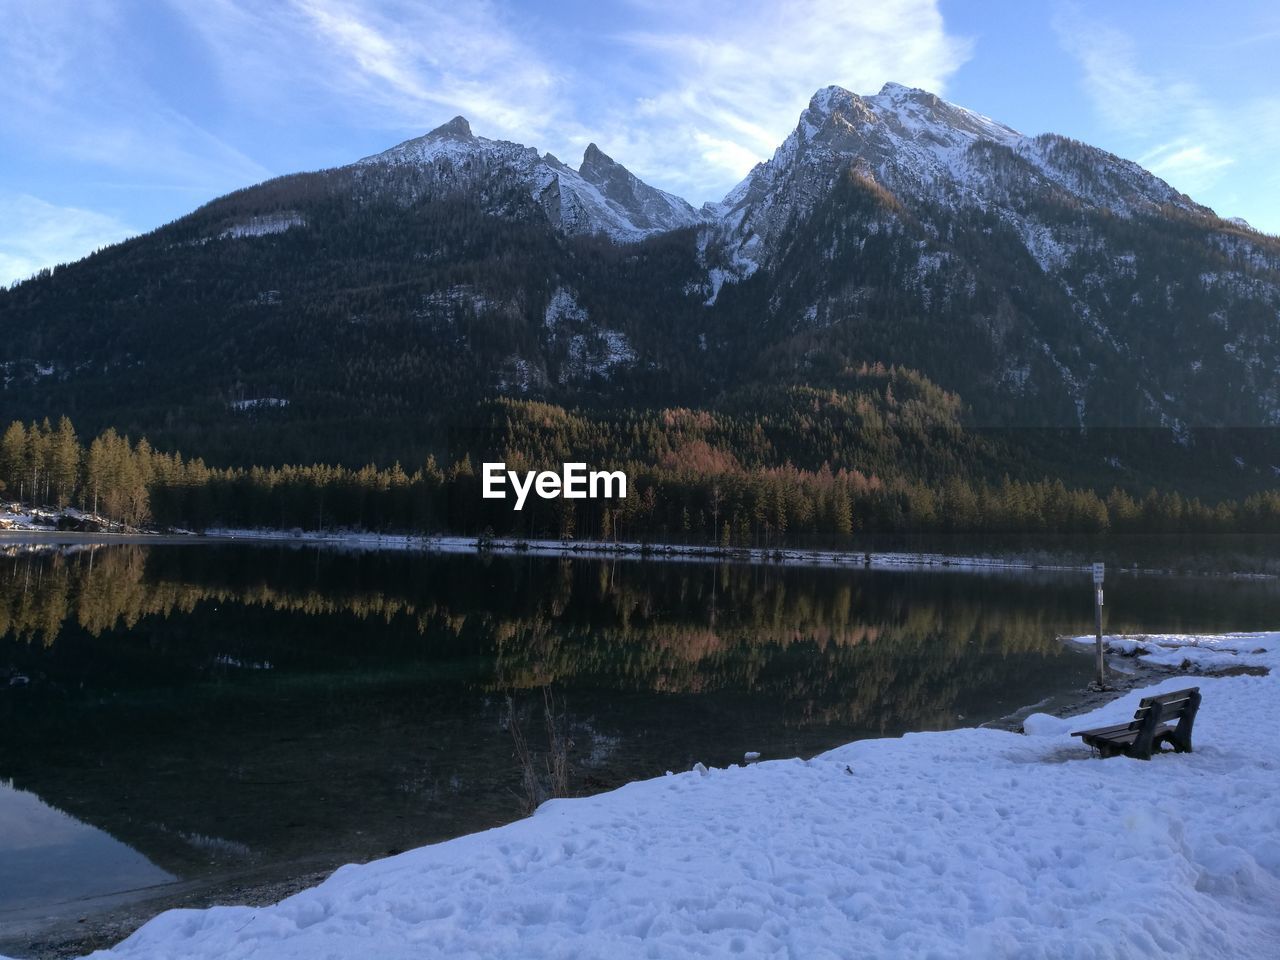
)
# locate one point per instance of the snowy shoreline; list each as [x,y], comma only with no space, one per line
[650,551]
[37,527]
[828,559]
[965,843]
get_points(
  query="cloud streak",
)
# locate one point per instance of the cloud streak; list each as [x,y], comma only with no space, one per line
[35,234]
[396,66]
[689,107]
[711,104]
[1173,127]
[67,93]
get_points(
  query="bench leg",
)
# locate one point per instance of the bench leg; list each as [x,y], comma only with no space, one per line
[1180,744]
[1181,735]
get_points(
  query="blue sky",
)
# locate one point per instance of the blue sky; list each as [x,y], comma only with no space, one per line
[116,117]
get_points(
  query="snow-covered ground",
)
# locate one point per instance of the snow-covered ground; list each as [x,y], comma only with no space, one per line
[1219,651]
[23,519]
[969,843]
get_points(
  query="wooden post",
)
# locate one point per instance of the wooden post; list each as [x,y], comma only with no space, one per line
[1099,571]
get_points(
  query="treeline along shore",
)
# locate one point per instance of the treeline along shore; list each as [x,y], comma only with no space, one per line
[679,490]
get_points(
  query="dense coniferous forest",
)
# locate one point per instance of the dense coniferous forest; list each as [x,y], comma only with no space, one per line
[820,466]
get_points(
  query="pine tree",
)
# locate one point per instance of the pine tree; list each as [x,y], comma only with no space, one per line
[64,462]
[13,459]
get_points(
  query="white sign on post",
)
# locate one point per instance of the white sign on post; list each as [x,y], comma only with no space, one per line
[1098,571]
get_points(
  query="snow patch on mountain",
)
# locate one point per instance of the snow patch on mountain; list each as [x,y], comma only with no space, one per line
[1074,387]
[24,370]
[723,260]
[1100,179]
[597,354]
[519,376]
[1017,376]
[461,295]
[1239,284]
[1045,248]
[445,309]
[258,403]
[264,225]
[715,280]
[563,307]
[1173,424]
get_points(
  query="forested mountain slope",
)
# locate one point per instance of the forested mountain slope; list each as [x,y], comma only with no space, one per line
[359,314]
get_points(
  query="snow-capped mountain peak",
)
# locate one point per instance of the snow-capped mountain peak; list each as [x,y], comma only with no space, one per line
[896,116]
[922,148]
[913,172]
[452,141]
[920,111]
[602,197]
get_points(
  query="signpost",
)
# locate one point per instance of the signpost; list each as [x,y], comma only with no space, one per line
[1099,572]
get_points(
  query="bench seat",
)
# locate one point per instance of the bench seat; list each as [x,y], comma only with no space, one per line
[1115,739]
[1148,730]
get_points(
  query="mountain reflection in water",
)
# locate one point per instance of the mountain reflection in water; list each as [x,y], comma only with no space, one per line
[233,707]
[47,856]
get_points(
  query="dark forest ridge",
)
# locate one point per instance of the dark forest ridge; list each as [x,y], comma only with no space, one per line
[357,314]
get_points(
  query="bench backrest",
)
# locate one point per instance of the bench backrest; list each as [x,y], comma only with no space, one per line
[1166,706]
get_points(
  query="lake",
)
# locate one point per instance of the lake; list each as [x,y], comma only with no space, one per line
[189,712]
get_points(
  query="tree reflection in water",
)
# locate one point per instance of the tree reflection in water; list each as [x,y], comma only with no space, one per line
[224,706]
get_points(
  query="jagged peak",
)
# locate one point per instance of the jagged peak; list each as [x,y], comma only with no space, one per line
[458,129]
[832,106]
[828,99]
[596,164]
[901,104]
[900,90]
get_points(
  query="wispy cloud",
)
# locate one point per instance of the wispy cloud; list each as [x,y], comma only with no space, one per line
[396,65]
[70,91]
[690,95]
[1183,160]
[35,234]
[1172,127]
[723,99]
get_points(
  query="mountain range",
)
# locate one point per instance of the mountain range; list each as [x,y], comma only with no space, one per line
[361,311]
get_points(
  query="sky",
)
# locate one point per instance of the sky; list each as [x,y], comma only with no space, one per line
[117,116]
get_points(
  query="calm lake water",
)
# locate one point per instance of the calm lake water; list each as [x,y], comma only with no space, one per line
[206,710]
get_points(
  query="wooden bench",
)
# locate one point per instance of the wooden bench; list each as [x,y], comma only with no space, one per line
[1150,727]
